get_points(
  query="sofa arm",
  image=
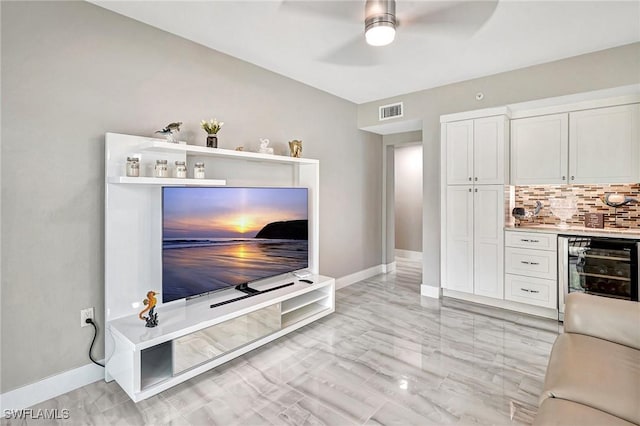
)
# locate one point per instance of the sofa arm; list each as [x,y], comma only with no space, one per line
[615,320]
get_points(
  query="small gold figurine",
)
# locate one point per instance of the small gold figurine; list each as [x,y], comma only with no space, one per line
[150,303]
[295,146]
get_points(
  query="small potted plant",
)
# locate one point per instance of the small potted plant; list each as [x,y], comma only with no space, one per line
[212,128]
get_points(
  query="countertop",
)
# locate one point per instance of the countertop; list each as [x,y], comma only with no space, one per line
[578,230]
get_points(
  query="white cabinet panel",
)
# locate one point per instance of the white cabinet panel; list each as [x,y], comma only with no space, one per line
[540,241]
[533,291]
[489,151]
[488,205]
[539,150]
[459,239]
[534,263]
[603,145]
[459,148]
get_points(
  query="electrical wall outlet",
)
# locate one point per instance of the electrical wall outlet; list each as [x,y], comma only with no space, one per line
[84,315]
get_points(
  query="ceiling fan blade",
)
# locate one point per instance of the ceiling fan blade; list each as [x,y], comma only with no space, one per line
[463,18]
[347,11]
[355,53]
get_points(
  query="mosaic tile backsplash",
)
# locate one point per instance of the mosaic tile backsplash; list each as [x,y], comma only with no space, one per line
[589,201]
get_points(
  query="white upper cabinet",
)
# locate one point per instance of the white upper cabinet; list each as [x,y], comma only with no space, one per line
[539,150]
[476,151]
[597,146]
[459,152]
[603,145]
[490,153]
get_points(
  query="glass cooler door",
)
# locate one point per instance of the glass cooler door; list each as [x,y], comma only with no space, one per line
[603,267]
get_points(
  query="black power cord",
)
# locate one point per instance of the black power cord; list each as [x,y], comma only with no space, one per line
[95,334]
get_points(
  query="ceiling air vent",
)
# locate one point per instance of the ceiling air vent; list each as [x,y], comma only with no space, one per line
[390,111]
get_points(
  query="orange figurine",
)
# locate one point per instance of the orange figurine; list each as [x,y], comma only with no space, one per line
[150,302]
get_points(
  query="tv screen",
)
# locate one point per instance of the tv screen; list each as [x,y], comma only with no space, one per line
[221,237]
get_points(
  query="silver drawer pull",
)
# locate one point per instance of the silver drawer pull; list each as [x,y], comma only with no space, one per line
[526,240]
[525,262]
[528,290]
[534,263]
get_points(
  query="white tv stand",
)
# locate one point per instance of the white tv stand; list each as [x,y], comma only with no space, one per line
[191,336]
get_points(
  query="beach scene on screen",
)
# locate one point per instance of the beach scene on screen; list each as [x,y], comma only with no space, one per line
[216,238]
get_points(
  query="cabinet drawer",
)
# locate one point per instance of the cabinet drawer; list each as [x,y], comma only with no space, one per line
[534,240]
[533,291]
[532,263]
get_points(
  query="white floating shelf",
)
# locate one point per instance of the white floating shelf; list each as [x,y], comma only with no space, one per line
[166,181]
[202,151]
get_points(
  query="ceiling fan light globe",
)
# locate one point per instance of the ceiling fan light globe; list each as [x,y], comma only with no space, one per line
[381,34]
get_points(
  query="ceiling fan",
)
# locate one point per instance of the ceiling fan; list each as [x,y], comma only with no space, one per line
[454,19]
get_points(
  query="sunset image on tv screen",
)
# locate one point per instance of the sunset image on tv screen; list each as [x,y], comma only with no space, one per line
[215,238]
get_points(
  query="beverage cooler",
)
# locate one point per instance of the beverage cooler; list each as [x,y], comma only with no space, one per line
[600,266]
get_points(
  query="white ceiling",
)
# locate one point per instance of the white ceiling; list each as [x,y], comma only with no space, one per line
[321,43]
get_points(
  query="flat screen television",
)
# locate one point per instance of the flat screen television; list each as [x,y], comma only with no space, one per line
[214,238]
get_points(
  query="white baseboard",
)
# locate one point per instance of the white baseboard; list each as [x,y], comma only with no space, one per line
[430,291]
[409,254]
[361,275]
[389,267]
[50,387]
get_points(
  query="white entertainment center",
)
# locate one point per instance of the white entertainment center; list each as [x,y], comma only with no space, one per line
[193,337]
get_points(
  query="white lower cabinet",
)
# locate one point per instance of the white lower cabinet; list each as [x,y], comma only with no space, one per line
[474,240]
[531,274]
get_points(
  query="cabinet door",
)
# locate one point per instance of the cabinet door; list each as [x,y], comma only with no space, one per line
[489,151]
[459,150]
[539,150]
[488,224]
[459,239]
[603,145]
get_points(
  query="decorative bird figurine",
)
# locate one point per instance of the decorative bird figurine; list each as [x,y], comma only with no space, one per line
[150,303]
[169,130]
[617,200]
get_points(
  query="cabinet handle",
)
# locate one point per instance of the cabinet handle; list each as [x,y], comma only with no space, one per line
[528,290]
[573,178]
[476,179]
[469,178]
[564,178]
[534,263]
[476,189]
[524,240]
[525,262]
[469,189]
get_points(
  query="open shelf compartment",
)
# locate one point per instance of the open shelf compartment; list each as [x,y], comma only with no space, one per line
[306,311]
[303,300]
[156,364]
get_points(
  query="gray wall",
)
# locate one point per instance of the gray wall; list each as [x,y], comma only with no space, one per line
[408,197]
[72,71]
[600,70]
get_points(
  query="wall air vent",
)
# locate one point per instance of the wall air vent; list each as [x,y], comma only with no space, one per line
[386,112]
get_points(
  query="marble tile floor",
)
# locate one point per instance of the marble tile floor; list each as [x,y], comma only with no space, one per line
[387,356]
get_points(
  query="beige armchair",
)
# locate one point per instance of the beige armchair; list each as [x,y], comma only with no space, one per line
[593,376]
